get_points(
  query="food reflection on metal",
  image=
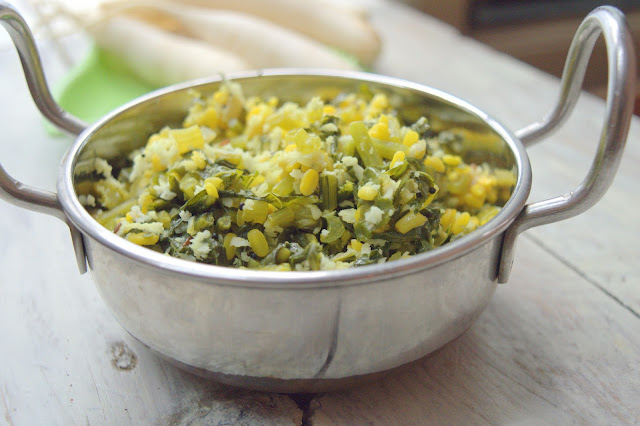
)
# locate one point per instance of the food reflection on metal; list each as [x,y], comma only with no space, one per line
[267,183]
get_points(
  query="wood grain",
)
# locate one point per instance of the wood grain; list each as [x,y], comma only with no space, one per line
[548,349]
[559,344]
[64,359]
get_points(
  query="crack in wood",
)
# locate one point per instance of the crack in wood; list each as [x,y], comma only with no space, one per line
[7,412]
[307,403]
[581,273]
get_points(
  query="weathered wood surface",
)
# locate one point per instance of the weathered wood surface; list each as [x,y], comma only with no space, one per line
[559,344]
[538,354]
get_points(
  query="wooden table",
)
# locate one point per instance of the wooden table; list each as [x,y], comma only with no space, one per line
[559,344]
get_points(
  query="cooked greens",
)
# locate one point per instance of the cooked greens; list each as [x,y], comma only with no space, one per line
[250,182]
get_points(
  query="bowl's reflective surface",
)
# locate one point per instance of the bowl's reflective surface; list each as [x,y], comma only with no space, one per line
[253,327]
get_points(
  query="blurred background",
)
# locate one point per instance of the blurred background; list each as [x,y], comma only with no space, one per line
[538,32]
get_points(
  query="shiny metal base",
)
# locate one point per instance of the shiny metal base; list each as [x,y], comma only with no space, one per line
[272,384]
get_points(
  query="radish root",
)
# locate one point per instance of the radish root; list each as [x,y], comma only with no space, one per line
[165,42]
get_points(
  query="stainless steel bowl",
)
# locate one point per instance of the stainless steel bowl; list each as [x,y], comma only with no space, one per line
[313,331]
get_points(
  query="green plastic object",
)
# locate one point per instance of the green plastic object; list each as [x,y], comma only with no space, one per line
[96,86]
[99,84]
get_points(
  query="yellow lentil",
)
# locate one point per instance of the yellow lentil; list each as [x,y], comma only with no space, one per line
[309,182]
[368,193]
[258,242]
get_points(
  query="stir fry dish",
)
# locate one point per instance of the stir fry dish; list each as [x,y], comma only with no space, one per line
[258,183]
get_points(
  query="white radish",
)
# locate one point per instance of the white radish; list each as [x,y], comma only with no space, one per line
[259,42]
[159,57]
[322,20]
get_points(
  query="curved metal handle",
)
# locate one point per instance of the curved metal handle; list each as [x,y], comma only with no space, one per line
[609,22]
[31,64]
[10,189]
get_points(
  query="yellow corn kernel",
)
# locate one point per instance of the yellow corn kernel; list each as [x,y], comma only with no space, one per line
[367,192]
[380,131]
[434,163]
[256,110]
[504,178]
[473,201]
[492,195]
[418,150]
[329,110]
[410,221]
[461,220]
[379,101]
[211,188]
[398,158]
[229,250]
[309,182]
[410,138]
[459,181]
[202,117]
[451,160]
[447,218]
[478,190]
[487,181]
[487,213]
[258,242]
[209,118]
[221,96]
[356,245]
[349,115]
[142,239]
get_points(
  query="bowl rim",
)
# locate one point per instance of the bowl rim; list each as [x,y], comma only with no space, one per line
[228,276]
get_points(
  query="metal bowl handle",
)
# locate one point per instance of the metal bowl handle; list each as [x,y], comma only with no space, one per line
[609,22]
[12,190]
